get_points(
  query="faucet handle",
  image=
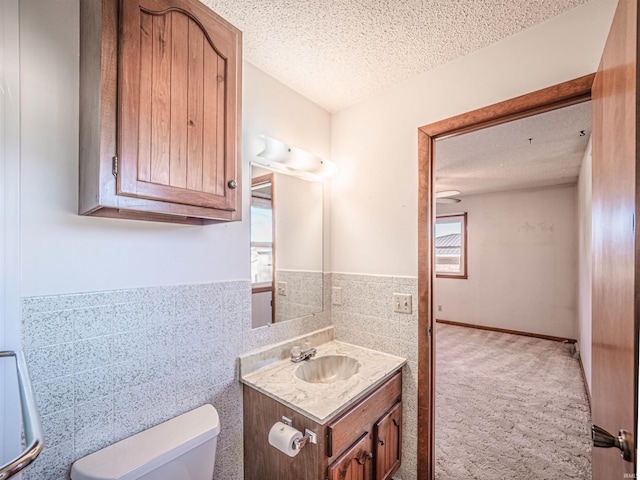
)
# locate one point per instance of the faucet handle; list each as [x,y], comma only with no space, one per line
[307,345]
[296,351]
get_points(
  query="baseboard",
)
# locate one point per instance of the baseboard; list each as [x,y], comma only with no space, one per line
[584,379]
[504,330]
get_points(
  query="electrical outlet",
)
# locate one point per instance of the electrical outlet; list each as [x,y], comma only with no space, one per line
[282,288]
[336,295]
[401,303]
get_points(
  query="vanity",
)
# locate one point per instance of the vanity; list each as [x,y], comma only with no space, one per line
[314,408]
[348,397]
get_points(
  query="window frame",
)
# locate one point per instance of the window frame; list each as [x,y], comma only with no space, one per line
[464,274]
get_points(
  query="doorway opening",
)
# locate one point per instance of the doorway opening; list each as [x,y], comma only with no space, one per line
[552,98]
[507,320]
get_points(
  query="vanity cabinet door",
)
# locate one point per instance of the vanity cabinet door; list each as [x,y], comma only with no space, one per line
[388,443]
[343,431]
[356,463]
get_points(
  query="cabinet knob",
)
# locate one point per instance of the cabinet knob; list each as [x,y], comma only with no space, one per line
[232,184]
[363,457]
[381,441]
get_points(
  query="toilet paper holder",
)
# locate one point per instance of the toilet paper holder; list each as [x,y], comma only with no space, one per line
[309,436]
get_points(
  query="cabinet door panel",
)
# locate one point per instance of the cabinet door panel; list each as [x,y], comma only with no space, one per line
[356,463]
[388,443]
[177,129]
[196,128]
[159,124]
[350,426]
[179,100]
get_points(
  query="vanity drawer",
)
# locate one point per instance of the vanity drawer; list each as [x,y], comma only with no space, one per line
[341,433]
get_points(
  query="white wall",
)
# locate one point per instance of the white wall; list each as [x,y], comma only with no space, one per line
[63,252]
[302,217]
[375,142]
[522,263]
[9,227]
[298,207]
[585,264]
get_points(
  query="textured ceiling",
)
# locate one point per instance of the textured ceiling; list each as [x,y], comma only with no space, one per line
[338,52]
[502,158]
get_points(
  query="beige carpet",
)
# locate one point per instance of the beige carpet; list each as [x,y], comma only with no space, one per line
[509,407]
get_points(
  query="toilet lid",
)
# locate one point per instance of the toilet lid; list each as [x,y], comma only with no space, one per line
[144,452]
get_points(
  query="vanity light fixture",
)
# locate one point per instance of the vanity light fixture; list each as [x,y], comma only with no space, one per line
[275,150]
[279,156]
[325,169]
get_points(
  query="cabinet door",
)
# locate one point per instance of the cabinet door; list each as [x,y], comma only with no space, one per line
[178,103]
[356,463]
[388,443]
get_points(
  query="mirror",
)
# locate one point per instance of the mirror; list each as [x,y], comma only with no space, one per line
[286,246]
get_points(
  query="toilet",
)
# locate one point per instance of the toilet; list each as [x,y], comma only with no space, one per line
[181,448]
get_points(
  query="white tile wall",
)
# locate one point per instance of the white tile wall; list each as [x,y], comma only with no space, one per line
[106,365]
[304,294]
[366,318]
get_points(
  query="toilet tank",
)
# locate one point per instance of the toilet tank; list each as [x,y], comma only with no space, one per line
[181,448]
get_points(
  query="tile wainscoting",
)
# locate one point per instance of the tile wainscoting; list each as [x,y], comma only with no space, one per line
[304,294]
[366,318]
[106,365]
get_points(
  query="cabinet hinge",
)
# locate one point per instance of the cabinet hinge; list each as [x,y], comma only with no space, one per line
[114,166]
[428,331]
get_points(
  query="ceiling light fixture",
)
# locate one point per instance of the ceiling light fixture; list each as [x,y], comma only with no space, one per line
[447,193]
[279,156]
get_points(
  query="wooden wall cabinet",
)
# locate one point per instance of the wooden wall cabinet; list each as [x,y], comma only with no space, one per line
[160,84]
[363,443]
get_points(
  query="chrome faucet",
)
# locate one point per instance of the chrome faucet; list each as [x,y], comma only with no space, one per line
[298,354]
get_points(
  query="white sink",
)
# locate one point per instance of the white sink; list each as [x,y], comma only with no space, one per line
[328,369]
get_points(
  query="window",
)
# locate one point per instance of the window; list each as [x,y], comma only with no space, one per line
[451,246]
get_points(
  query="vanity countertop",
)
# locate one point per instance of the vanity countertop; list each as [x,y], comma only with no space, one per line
[323,401]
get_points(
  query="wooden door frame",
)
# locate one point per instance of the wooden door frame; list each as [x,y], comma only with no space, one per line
[562,95]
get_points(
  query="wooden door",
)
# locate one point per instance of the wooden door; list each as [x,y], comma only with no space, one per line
[388,443]
[178,96]
[356,463]
[615,268]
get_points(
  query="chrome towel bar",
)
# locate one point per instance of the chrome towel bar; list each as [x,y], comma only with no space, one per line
[30,420]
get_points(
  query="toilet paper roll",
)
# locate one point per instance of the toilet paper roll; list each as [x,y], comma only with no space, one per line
[282,437]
